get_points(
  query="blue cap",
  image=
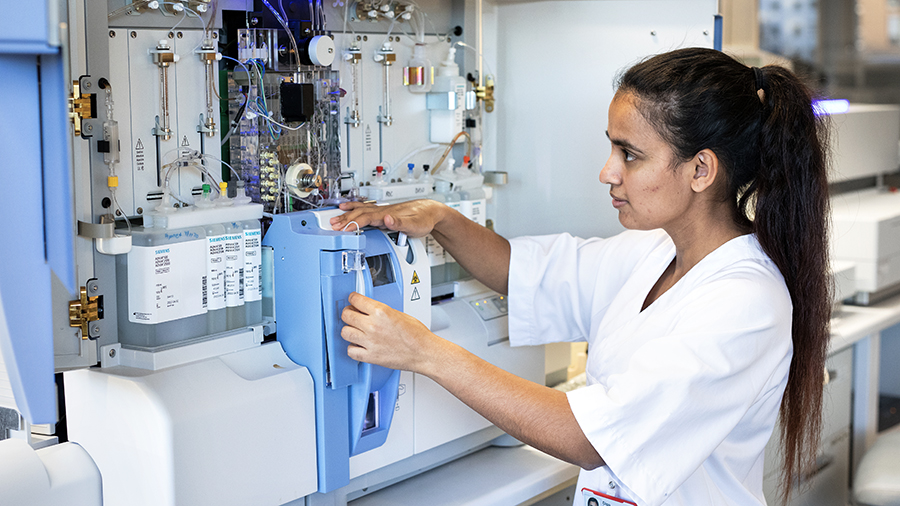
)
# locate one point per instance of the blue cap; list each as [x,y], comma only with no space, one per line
[410,166]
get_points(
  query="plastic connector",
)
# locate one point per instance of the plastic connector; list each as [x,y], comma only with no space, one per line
[223,199]
[240,197]
[352,261]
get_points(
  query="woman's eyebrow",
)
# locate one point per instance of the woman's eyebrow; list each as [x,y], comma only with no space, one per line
[624,144]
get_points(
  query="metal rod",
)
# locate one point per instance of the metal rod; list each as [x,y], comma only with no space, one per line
[478,17]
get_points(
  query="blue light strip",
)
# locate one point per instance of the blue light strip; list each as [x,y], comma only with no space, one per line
[829,107]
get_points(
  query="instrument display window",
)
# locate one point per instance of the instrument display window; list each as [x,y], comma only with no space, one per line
[381,268]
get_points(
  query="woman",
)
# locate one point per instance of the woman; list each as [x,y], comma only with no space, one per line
[702,320]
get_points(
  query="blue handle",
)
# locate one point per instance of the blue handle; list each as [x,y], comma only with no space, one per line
[336,288]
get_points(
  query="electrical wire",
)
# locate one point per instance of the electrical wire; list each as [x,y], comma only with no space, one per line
[267,116]
[243,109]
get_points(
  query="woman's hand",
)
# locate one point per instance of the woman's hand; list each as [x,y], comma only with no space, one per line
[416,218]
[380,335]
[530,412]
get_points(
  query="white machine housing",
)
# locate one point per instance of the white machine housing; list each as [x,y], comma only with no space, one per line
[866,231]
[865,141]
[232,429]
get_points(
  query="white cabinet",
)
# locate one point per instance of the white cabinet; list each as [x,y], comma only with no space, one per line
[827,483]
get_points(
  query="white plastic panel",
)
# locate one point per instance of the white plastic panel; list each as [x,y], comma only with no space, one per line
[61,475]
[372,143]
[135,80]
[864,231]
[440,417]
[233,430]
[865,141]
[7,398]
[556,65]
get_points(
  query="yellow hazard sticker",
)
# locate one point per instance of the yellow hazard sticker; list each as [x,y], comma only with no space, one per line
[415,278]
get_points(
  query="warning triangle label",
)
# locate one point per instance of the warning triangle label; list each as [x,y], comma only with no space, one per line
[415,278]
[185,142]
[139,145]
[415,295]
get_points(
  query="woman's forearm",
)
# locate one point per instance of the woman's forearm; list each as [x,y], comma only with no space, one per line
[532,413]
[480,251]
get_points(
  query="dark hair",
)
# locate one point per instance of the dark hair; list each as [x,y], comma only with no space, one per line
[773,149]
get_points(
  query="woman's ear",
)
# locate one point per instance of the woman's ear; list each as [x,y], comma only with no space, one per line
[706,168]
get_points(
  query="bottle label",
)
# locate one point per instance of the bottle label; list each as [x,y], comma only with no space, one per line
[460,111]
[215,272]
[234,268]
[166,282]
[252,265]
[474,210]
[434,250]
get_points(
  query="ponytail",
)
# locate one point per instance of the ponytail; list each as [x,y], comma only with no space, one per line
[762,127]
[791,225]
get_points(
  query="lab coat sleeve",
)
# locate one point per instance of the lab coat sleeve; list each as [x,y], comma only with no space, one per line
[559,284]
[722,353]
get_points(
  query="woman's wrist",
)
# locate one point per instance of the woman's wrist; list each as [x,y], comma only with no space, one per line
[442,215]
[438,358]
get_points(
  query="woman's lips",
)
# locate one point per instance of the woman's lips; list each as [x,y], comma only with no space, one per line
[617,202]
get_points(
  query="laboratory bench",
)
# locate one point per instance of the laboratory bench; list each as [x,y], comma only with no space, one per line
[517,475]
[521,475]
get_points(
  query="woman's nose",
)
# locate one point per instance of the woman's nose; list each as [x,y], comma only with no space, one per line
[609,173]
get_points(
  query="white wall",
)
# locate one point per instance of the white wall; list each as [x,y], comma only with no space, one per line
[556,64]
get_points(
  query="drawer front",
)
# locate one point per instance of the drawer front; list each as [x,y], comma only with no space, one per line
[836,408]
[837,405]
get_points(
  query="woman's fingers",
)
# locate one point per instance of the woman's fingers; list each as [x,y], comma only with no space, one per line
[380,335]
[353,317]
[356,352]
[362,214]
[415,218]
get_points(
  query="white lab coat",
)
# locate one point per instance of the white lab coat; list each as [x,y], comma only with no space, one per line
[682,397]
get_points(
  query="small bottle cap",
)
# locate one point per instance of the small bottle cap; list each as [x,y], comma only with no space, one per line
[206,189]
[426,167]
[379,169]
[466,160]
[410,166]
[223,186]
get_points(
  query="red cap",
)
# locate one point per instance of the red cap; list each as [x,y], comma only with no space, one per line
[466,160]
[379,169]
